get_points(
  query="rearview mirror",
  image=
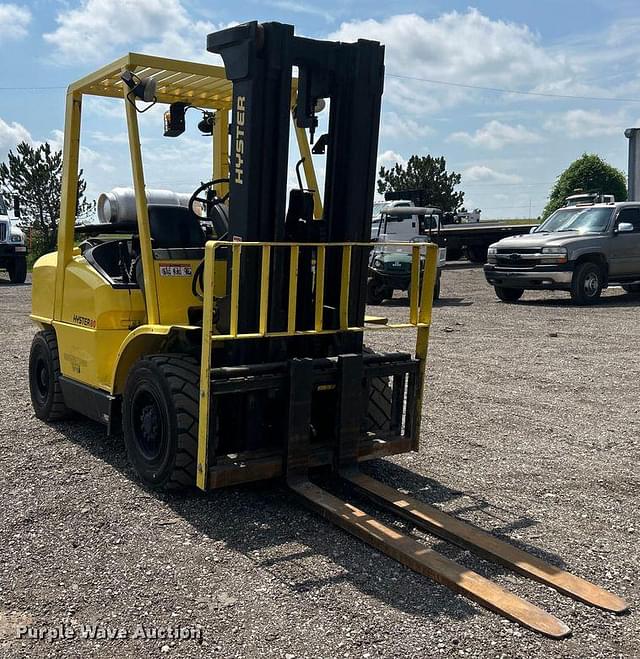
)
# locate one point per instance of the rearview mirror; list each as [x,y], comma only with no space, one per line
[533,229]
[624,227]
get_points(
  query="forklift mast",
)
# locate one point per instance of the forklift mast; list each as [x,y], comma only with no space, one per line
[259,60]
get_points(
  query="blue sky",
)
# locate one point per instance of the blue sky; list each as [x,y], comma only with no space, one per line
[508,147]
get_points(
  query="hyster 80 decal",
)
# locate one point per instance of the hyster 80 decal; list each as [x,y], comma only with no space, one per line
[83,321]
[239,162]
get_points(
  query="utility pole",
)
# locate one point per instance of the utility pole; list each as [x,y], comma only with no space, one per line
[633,171]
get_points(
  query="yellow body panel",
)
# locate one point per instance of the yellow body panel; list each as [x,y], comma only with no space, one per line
[43,288]
[175,296]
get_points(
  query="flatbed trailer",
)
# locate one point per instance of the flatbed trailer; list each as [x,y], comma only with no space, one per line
[475,238]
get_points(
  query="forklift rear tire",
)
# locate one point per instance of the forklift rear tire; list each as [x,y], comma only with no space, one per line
[18,270]
[508,294]
[160,420]
[44,378]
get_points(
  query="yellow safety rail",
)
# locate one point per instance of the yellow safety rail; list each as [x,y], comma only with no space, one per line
[420,305]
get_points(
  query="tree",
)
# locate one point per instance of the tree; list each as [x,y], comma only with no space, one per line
[589,173]
[34,174]
[424,173]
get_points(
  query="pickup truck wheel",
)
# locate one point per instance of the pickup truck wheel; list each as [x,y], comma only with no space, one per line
[18,270]
[508,294]
[586,285]
[633,289]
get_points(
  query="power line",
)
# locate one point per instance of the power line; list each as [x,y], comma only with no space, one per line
[521,184]
[501,90]
[29,89]
[431,81]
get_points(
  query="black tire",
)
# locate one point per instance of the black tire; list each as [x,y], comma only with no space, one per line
[508,294]
[477,254]
[632,289]
[18,270]
[160,420]
[44,378]
[378,417]
[586,284]
[377,292]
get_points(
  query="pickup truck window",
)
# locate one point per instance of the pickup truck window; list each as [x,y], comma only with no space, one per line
[572,219]
[631,215]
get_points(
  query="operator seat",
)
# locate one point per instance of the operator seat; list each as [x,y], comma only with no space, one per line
[171,227]
[174,227]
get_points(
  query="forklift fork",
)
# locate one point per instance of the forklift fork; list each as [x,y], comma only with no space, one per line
[403,548]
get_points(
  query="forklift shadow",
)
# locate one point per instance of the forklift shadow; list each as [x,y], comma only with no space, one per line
[499,520]
[267,524]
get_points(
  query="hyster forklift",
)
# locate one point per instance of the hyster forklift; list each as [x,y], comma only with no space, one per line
[224,336]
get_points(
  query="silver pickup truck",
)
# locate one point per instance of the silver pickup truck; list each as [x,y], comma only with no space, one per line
[581,249]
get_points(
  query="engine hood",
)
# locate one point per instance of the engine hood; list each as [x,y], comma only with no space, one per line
[554,239]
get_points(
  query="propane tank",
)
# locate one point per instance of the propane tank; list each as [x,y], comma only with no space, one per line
[119,205]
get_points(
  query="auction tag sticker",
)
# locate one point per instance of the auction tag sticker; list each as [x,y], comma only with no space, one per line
[175,270]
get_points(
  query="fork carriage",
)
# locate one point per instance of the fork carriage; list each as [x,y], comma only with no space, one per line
[383,396]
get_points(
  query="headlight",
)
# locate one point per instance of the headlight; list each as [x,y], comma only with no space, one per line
[491,254]
[553,255]
[16,238]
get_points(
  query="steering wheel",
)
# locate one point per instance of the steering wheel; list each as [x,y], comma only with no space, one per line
[207,199]
[219,224]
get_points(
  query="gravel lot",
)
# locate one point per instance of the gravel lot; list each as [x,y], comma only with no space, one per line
[531,430]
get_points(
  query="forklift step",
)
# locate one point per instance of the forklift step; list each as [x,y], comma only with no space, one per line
[486,545]
[428,562]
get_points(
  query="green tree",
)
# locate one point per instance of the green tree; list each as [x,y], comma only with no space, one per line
[34,174]
[424,173]
[588,173]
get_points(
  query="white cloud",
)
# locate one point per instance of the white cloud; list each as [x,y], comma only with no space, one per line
[10,135]
[301,8]
[484,174]
[588,123]
[14,21]
[495,134]
[465,48]
[395,126]
[389,159]
[97,27]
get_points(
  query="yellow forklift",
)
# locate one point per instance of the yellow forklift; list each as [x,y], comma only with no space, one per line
[223,333]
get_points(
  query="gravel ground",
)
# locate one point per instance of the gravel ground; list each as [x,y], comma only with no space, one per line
[531,431]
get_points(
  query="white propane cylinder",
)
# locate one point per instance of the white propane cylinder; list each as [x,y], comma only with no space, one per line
[119,205]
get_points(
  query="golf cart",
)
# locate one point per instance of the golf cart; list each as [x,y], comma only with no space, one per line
[390,264]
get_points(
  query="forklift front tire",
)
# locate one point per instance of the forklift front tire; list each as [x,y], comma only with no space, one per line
[160,420]
[44,378]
